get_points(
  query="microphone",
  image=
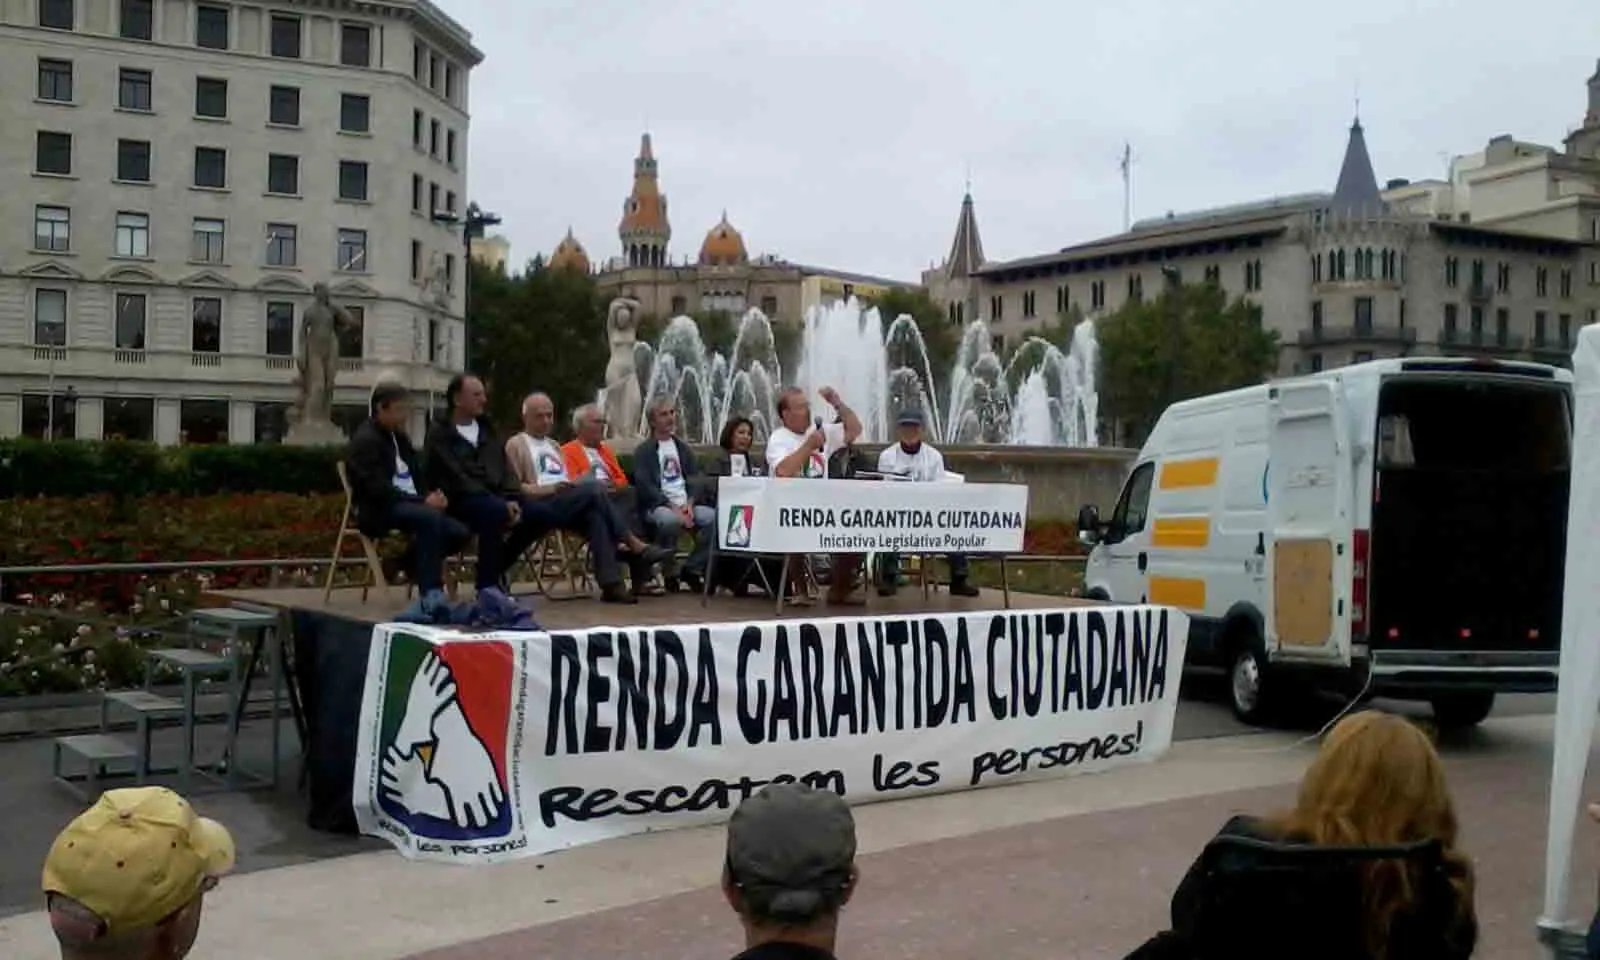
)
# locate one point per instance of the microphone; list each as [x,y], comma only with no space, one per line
[817,423]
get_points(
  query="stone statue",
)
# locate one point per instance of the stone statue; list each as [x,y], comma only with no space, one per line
[311,421]
[622,399]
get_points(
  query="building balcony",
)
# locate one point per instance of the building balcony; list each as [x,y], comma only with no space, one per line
[80,362]
[1359,333]
[1551,351]
[1479,293]
[1482,341]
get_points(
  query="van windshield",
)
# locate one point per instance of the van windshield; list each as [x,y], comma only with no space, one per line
[1474,426]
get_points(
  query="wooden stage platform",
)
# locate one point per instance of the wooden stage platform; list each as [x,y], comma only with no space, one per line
[583,612]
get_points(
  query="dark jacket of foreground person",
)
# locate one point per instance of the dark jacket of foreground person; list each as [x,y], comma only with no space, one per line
[462,470]
[369,465]
[1252,896]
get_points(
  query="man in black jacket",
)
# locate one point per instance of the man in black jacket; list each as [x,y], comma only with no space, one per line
[390,493]
[468,462]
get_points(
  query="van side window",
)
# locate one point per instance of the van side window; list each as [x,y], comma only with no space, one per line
[1129,516]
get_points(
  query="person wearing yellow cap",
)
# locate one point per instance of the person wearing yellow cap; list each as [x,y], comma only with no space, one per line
[125,880]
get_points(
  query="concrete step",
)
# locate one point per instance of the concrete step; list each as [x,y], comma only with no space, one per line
[146,703]
[98,747]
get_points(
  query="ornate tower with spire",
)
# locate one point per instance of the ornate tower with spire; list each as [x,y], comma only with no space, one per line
[645,230]
[1356,193]
[953,282]
[1585,141]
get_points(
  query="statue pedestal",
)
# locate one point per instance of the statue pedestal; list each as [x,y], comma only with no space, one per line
[314,433]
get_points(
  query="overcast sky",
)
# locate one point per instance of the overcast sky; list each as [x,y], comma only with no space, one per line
[838,132]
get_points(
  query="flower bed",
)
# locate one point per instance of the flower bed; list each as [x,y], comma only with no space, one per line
[65,632]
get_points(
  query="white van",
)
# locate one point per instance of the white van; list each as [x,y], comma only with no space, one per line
[1396,528]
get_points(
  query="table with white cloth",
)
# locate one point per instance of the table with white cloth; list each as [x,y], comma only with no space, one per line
[789,516]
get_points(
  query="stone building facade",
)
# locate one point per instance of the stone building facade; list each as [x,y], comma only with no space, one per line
[175,177]
[1503,261]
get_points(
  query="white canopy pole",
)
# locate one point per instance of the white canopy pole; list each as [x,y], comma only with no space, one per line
[1578,699]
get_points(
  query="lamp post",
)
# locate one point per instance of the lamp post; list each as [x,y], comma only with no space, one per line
[473,224]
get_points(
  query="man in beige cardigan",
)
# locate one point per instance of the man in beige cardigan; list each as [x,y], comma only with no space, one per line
[556,502]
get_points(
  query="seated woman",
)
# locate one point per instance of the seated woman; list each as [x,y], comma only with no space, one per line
[735,572]
[1376,783]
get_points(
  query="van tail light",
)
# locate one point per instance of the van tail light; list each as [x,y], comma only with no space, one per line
[1360,552]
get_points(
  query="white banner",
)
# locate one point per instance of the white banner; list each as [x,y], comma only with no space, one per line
[771,515]
[480,747]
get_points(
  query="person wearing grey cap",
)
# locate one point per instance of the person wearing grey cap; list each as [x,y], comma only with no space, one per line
[913,459]
[790,869]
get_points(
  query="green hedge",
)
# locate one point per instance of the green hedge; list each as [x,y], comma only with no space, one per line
[79,468]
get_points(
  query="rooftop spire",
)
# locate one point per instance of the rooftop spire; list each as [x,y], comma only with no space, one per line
[1357,190]
[966,252]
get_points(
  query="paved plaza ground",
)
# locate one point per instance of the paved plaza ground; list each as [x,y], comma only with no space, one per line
[1078,867]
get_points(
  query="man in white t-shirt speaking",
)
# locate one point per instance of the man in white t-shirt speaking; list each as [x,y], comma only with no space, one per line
[919,462]
[801,447]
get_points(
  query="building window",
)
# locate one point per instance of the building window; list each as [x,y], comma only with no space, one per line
[280,328]
[1402,313]
[130,321]
[1252,276]
[416,193]
[40,422]
[55,80]
[203,421]
[272,422]
[355,113]
[450,147]
[50,318]
[352,180]
[1477,275]
[1502,277]
[285,36]
[56,14]
[1029,301]
[130,418]
[283,174]
[134,90]
[1502,327]
[450,94]
[1475,328]
[282,248]
[1452,272]
[53,153]
[211,27]
[205,325]
[283,106]
[52,229]
[419,59]
[1316,363]
[352,251]
[435,342]
[208,240]
[133,161]
[138,20]
[1097,295]
[1564,330]
[416,128]
[450,201]
[355,45]
[1566,284]
[450,272]
[997,304]
[1361,356]
[416,259]
[433,139]
[769,306]
[1541,330]
[1316,316]
[433,199]
[1363,315]
[211,167]
[133,235]
[433,70]
[1541,282]
[211,97]
[353,336]
[1450,324]
[1316,268]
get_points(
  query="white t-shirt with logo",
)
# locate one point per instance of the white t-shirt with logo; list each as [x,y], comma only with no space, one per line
[782,442]
[672,483]
[403,480]
[468,431]
[548,466]
[597,466]
[925,465]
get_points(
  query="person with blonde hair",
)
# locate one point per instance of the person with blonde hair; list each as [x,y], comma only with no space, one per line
[1365,866]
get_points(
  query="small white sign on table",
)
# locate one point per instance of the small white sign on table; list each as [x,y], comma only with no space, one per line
[774,515]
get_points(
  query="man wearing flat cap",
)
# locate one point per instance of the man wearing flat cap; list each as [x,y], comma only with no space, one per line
[913,459]
[125,880]
[790,869]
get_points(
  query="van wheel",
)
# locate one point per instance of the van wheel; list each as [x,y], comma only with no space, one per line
[1249,692]
[1459,710]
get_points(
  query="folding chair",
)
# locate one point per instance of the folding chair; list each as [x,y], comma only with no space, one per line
[369,547]
[552,558]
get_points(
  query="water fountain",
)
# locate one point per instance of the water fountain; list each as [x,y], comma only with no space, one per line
[1040,396]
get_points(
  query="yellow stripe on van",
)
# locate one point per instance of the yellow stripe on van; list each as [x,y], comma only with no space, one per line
[1189,474]
[1184,533]
[1182,592]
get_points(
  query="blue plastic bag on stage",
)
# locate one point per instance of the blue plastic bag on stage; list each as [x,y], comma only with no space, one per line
[497,611]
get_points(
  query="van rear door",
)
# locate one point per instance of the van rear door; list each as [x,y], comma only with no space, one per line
[1309,499]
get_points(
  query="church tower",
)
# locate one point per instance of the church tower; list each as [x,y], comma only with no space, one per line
[954,283]
[1585,141]
[645,230]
